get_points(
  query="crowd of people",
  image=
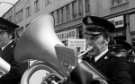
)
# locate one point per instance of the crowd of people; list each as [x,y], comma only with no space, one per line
[114,58]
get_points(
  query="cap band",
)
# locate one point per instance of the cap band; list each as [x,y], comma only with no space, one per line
[94,28]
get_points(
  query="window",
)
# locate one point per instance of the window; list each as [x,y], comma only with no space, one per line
[62,14]
[74,9]
[54,17]
[47,2]
[118,2]
[58,16]
[28,11]
[87,6]
[36,5]
[68,12]
[80,7]
[19,16]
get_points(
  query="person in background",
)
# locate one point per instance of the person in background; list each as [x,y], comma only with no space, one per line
[125,50]
[7,45]
[121,49]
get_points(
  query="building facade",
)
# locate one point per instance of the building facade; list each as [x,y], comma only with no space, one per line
[68,19]
[120,12]
[69,13]
[24,11]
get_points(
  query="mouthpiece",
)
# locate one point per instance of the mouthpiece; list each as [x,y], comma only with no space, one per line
[85,52]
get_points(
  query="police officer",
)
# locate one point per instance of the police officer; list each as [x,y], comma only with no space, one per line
[7,44]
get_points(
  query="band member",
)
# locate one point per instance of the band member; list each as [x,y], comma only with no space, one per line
[124,50]
[115,69]
[121,49]
[97,34]
[7,44]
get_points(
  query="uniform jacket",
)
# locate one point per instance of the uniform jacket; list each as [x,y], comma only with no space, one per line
[115,69]
[132,71]
[17,69]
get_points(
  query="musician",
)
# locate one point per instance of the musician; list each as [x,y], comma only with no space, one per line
[7,44]
[97,34]
[121,49]
[124,49]
[114,68]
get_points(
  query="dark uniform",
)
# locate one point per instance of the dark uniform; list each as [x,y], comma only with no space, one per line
[15,73]
[116,69]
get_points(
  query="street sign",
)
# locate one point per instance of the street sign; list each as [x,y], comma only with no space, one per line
[78,44]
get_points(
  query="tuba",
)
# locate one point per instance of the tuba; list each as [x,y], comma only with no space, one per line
[55,62]
[87,73]
[39,42]
[4,67]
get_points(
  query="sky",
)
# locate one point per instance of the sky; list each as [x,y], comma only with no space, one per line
[5,5]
